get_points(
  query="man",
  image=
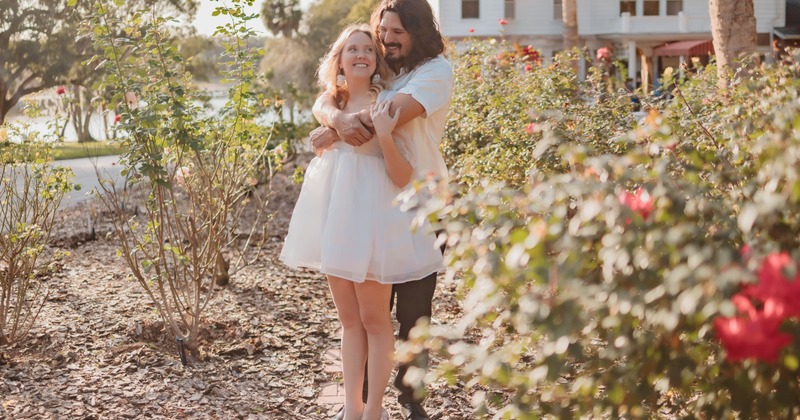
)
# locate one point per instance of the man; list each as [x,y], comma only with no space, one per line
[413,46]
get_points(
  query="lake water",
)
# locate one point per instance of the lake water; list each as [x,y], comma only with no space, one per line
[48,126]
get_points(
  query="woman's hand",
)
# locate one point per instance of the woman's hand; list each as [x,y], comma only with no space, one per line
[382,120]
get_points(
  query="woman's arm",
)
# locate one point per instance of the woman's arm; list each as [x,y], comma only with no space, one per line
[396,165]
[354,129]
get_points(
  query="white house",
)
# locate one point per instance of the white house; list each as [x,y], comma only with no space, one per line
[644,33]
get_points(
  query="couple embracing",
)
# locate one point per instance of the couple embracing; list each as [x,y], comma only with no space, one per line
[386,94]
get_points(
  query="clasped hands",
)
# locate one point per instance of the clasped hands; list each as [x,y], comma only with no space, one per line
[354,129]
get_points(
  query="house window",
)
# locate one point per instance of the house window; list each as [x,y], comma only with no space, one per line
[651,7]
[470,9]
[509,9]
[557,5]
[627,6]
[674,7]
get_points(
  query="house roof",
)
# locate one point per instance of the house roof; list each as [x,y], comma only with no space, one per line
[685,48]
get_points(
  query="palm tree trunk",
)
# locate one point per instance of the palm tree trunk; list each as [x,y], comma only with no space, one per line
[569,15]
[733,27]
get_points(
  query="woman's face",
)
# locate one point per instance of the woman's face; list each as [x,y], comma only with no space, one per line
[359,58]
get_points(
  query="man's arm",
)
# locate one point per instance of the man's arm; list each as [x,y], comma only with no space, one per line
[354,129]
[409,107]
[322,138]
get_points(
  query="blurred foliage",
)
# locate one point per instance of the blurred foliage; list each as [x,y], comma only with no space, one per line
[291,62]
[281,17]
[36,40]
[509,113]
[40,48]
[593,277]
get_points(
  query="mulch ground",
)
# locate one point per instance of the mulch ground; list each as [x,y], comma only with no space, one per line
[98,349]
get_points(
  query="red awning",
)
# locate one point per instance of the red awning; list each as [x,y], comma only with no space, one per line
[685,48]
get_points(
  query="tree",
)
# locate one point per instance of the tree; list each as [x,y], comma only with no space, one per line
[291,62]
[324,20]
[733,28]
[362,11]
[281,17]
[35,51]
[569,15]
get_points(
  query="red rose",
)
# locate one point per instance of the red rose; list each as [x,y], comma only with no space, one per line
[471,30]
[530,128]
[528,67]
[503,22]
[774,288]
[117,118]
[751,338]
[640,201]
[61,90]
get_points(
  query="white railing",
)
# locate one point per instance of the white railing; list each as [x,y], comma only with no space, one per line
[627,24]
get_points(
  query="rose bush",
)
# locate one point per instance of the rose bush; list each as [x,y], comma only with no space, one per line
[606,277]
[498,95]
[198,168]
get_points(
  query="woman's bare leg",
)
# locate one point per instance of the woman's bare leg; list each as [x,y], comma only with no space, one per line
[354,344]
[373,303]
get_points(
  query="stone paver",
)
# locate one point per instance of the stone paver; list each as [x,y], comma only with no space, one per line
[332,393]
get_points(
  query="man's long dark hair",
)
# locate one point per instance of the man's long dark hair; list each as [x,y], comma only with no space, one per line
[417,19]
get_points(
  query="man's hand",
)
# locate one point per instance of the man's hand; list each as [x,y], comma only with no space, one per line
[354,129]
[322,138]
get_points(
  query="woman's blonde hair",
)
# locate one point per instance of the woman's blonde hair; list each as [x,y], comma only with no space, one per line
[329,69]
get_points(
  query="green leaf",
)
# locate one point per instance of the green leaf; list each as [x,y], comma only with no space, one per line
[791,362]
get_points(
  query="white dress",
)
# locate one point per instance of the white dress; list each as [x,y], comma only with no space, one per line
[345,222]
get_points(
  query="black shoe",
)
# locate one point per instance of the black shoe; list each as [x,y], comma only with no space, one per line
[413,411]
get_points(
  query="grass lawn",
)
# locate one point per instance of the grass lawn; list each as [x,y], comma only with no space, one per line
[74,150]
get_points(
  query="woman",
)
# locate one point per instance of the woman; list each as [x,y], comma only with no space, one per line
[345,224]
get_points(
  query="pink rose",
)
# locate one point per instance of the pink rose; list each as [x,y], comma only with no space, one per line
[604,54]
[639,201]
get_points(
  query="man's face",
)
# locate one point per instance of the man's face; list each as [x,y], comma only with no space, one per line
[396,41]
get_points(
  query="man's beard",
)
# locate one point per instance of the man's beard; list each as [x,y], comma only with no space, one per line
[394,61]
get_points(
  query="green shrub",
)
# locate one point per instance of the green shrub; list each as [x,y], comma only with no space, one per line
[198,169]
[509,113]
[31,190]
[593,289]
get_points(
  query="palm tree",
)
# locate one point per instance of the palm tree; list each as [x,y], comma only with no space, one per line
[733,28]
[569,14]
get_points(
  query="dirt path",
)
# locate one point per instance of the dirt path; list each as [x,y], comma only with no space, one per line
[98,350]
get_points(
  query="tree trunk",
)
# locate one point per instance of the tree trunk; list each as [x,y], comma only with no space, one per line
[569,15]
[4,106]
[81,109]
[733,27]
